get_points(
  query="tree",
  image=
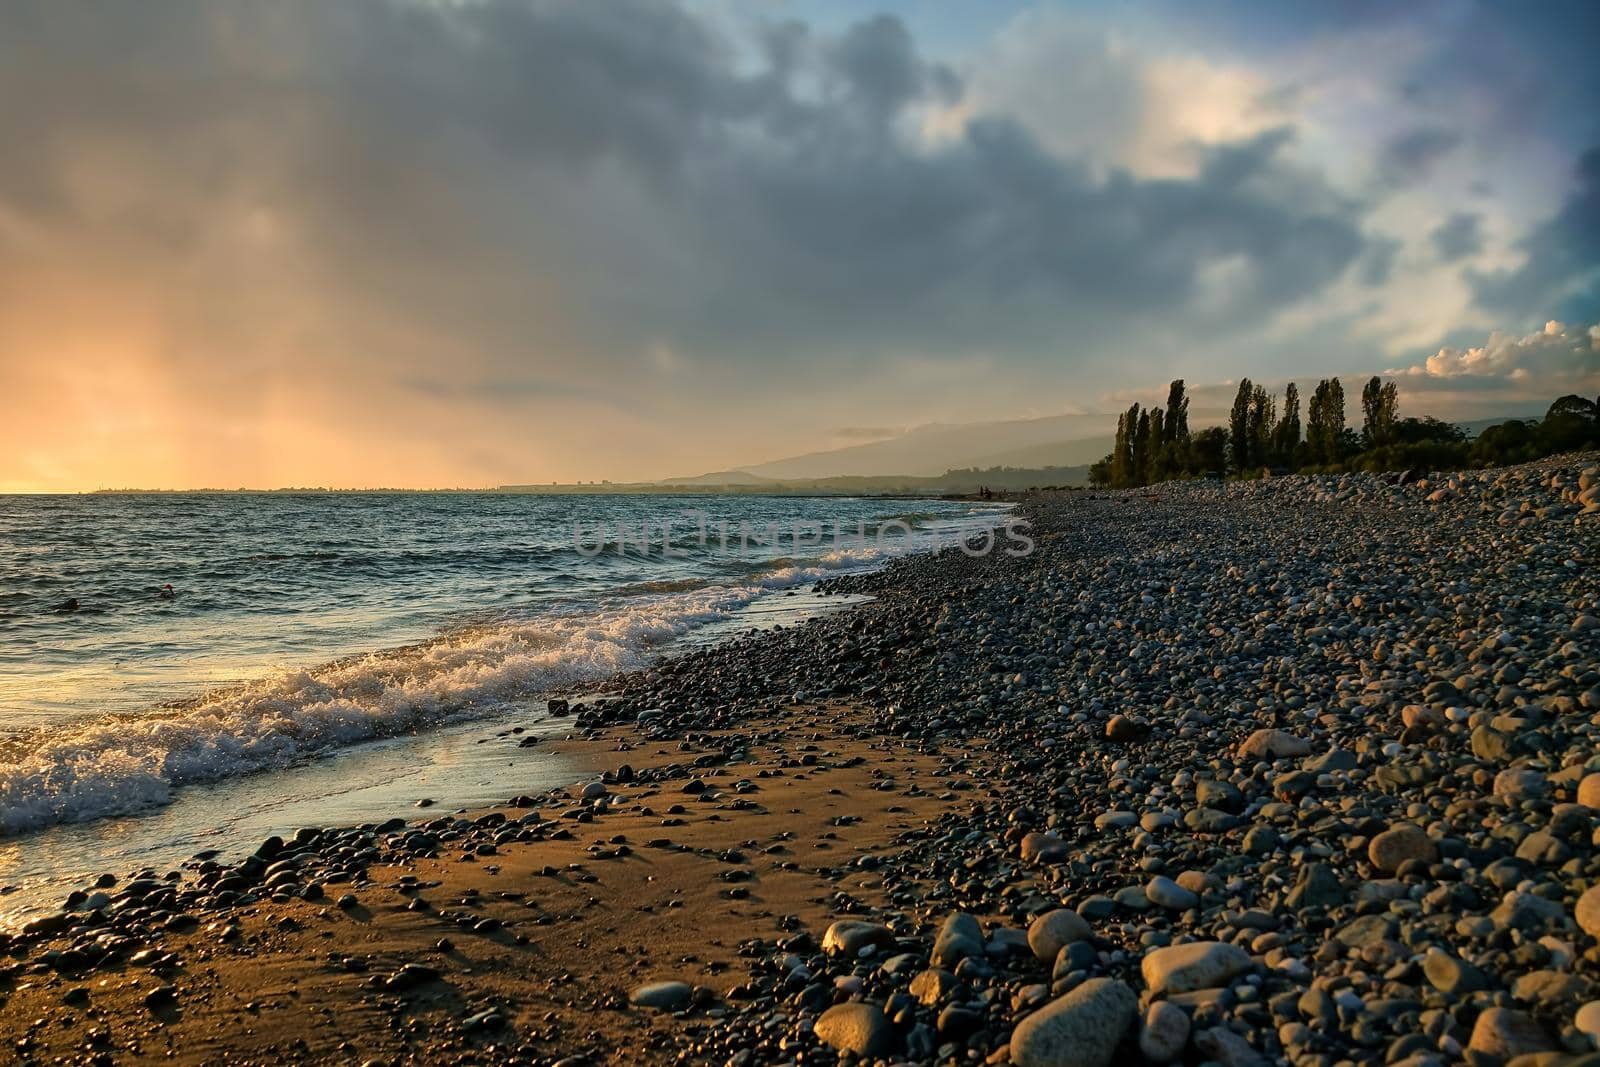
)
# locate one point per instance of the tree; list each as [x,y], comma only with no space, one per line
[1261,411]
[1176,429]
[1325,439]
[1100,473]
[1141,450]
[1571,423]
[1158,447]
[1286,434]
[1239,425]
[1117,464]
[1380,402]
[1210,449]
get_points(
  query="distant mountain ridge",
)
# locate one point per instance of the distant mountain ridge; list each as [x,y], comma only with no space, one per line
[933,449]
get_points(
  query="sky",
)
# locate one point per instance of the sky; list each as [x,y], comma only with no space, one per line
[471,242]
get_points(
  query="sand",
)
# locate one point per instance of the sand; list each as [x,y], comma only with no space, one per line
[579,926]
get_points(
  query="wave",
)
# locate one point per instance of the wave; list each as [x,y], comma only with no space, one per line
[126,764]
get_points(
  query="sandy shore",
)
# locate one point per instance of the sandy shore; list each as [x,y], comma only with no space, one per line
[1302,772]
[548,936]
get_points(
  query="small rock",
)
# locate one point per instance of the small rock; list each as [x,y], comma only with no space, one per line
[1081,1029]
[1053,929]
[1506,1033]
[1395,846]
[960,937]
[848,937]
[666,996]
[1164,892]
[1198,965]
[858,1028]
[1165,1032]
[1273,744]
[1588,912]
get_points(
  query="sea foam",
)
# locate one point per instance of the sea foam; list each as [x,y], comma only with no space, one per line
[126,764]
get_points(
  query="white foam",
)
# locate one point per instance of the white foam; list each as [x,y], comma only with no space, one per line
[123,765]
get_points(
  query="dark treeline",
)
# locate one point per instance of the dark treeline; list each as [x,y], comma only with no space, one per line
[1154,444]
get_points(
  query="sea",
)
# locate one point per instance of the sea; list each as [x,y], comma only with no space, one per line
[182,672]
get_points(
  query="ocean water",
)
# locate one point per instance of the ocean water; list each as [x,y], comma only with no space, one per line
[317,649]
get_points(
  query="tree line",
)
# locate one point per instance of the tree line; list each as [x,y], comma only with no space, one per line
[1155,444]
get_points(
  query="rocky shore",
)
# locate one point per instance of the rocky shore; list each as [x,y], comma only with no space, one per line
[1304,771]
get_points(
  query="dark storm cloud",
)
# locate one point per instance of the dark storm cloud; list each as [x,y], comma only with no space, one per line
[1561,275]
[1411,156]
[625,168]
[1459,236]
[1377,263]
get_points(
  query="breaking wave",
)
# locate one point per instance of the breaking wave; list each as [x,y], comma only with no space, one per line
[124,764]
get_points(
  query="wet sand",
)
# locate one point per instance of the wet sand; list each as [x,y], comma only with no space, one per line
[666,886]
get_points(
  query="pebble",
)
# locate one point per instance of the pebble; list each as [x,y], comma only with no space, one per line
[1198,965]
[1165,1033]
[666,996]
[1080,1029]
[1054,929]
[857,1028]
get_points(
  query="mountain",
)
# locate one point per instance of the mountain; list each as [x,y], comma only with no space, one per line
[720,478]
[1053,441]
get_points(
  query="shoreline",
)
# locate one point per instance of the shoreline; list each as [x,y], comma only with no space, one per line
[77,765]
[1225,766]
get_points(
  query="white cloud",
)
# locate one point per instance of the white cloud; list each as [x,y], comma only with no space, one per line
[1506,375]
[1092,95]
[1555,350]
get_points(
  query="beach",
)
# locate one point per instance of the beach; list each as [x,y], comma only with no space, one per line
[1304,770]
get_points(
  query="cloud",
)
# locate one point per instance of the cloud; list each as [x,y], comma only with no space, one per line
[1561,266]
[1104,98]
[1459,236]
[568,231]
[1411,156]
[1508,374]
[638,173]
[1556,348]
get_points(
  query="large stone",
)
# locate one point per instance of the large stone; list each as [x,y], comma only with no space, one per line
[1588,912]
[1491,745]
[1525,911]
[1273,744]
[1041,847]
[1164,892]
[1199,965]
[1516,784]
[848,937]
[960,937]
[932,986]
[1587,1021]
[1081,1029]
[666,996]
[1393,847]
[1506,1033]
[1316,886]
[858,1028]
[1053,929]
[1165,1032]
[1423,716]
[1549,988]
[1589,791]
[1221,1045]
[1451,976]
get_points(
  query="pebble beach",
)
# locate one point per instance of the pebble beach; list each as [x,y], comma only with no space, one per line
[1300,771]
